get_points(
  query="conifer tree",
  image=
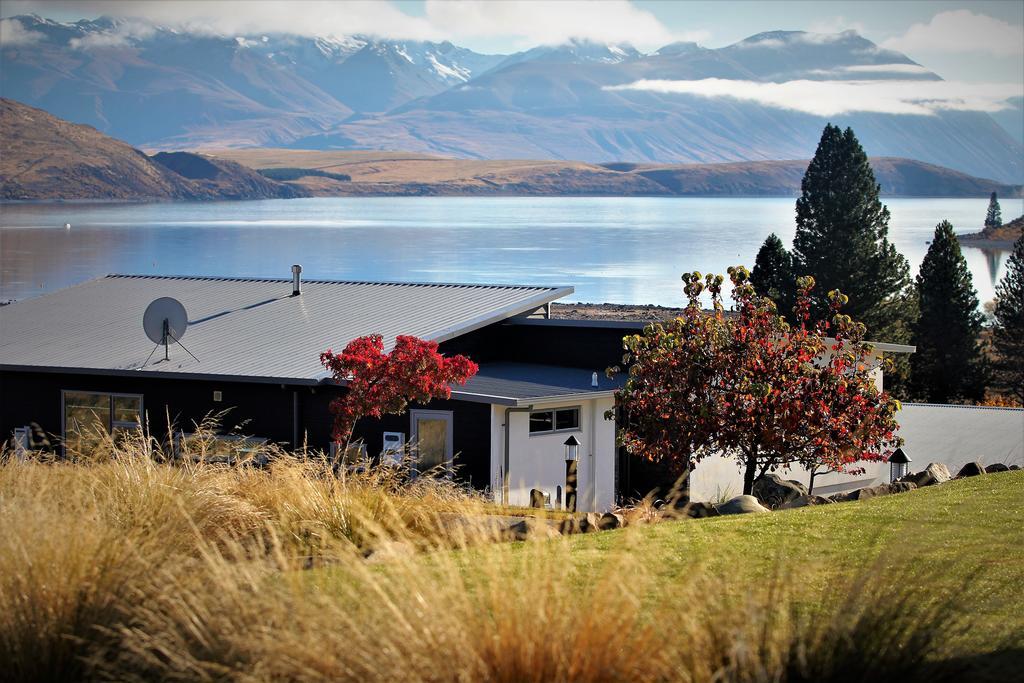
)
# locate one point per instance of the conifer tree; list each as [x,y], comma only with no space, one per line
[949,364]
[842,239]
[994,215]
[773,275]
[1008,335]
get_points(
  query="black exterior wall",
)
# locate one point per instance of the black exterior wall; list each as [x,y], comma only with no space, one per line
[294,415]
[574,346]
[291,415]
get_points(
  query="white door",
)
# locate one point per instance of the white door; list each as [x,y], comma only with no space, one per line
[431,433]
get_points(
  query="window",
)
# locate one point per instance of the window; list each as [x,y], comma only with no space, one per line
[556,420]
[89,417]
[218,447]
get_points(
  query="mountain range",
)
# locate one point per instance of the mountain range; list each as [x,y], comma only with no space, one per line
[161,88]
[45,158]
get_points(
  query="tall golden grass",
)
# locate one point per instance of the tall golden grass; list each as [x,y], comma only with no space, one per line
[128,566]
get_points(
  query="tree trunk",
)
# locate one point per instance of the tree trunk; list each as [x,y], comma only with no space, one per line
[810,487]
[750,472]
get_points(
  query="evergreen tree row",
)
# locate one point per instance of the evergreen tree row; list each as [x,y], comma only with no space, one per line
[842,240]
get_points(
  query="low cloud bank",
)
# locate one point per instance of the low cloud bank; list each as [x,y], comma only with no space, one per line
[831,98]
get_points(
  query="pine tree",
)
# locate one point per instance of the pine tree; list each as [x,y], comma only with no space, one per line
[949,363]
[773,275]
[842,239]
[994,215]
[1008,335]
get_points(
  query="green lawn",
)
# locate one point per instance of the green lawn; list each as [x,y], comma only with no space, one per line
[963,532]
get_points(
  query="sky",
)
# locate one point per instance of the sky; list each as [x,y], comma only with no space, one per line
[978,44]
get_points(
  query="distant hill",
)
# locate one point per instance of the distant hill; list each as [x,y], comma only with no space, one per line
[399,173]
[1002,237]
[158,87]
[47,158]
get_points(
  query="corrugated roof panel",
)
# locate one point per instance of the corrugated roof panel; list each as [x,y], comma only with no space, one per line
[244,327]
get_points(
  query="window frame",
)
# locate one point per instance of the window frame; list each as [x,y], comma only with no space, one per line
[554,420]
[111,422]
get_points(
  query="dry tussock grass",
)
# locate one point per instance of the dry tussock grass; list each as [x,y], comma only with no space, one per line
[131,568]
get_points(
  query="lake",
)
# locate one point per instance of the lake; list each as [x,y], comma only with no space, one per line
[623,250]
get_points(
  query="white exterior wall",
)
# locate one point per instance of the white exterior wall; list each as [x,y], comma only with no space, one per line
[538,461]
[948,434]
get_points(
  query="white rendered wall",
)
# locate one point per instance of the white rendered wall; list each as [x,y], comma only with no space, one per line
[538,461]
[951,435]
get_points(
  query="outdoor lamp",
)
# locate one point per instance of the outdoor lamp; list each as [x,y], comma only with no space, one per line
[572,449]
[898,462]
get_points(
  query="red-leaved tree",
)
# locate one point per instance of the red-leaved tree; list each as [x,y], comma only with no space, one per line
[752,387]
[380,383]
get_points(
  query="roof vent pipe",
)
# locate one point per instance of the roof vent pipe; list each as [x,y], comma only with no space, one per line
[296,280]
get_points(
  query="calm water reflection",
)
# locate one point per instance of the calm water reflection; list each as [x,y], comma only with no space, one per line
[629,250]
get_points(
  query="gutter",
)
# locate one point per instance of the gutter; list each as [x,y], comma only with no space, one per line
[504,474]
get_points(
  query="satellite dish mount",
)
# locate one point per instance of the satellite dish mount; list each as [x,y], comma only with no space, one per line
[164,321]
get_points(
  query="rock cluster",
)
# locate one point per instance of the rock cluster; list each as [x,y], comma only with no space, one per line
[771,492]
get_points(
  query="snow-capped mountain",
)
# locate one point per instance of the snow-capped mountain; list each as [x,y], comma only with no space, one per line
[163,88]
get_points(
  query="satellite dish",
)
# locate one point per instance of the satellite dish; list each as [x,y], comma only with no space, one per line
[165,320]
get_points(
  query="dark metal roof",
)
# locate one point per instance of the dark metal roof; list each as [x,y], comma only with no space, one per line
[517,384]
[243,328]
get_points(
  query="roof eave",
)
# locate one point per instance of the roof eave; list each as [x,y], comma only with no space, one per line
[500,314]
[148,374]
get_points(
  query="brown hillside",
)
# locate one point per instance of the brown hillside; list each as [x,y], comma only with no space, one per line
[398,173]
[47,158]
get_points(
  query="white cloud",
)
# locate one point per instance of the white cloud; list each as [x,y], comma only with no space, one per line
[525,22]
[13,33]
[121,35]
[548,23]
[885,69]
[234,17]
[867,70]
[831,98]
[961,31]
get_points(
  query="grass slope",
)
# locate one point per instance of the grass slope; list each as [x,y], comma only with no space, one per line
[960,526]
[117,565]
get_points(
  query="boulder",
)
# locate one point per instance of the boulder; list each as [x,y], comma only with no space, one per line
[862,493]
[1014,467]
[971,469]
[591,522]
[741,505]
[529,529]
[698,510]
[935,473]
[996,467]
[537,498]
[902,486]
[611,520]
[772,490]
[804,501]
[569,526]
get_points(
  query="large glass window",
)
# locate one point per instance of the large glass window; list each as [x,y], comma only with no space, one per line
[89,417]
[555,420]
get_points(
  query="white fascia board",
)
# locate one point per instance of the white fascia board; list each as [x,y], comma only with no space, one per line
[565,398]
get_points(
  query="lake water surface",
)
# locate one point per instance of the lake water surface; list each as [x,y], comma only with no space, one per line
[624,250]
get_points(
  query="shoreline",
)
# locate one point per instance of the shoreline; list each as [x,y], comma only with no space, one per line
[441,195]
